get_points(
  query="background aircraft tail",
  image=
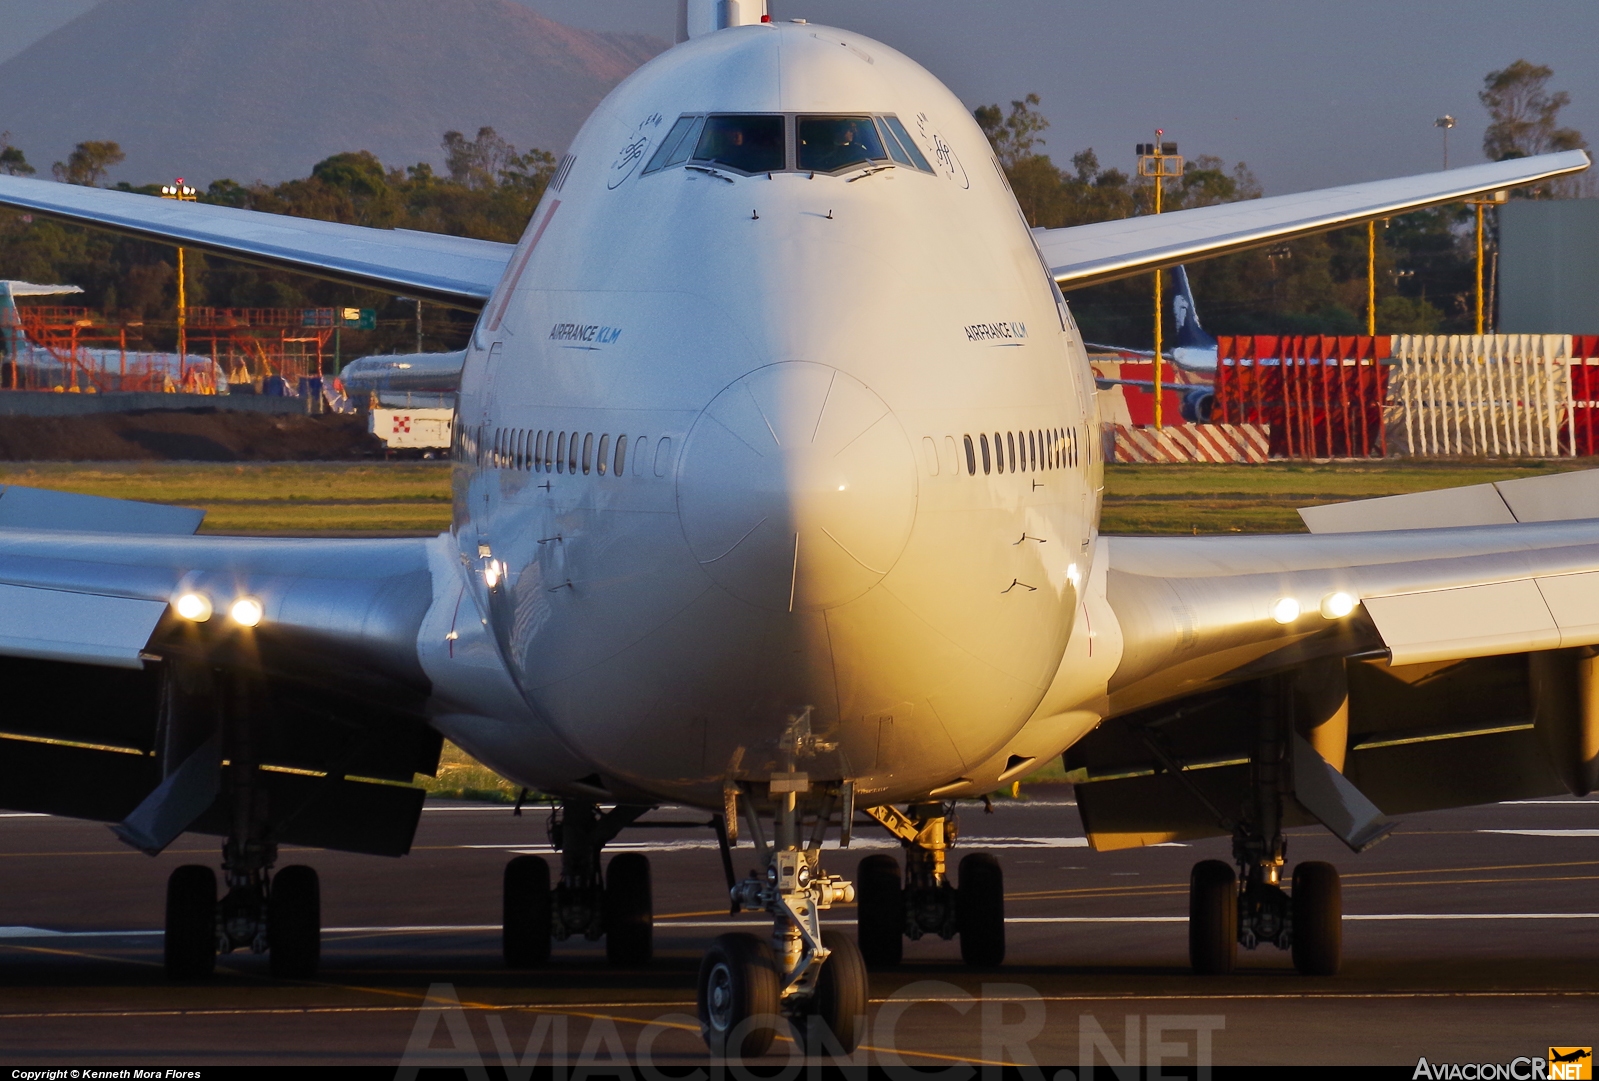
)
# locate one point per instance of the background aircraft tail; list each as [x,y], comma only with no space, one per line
[1190,335]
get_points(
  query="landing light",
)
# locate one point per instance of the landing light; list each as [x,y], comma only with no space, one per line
[1337,605]
[195,607]
[1285,610]
[246,612]
[491,573]
[1073,575]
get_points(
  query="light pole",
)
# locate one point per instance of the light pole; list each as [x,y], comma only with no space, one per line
[1495,199]
[1158,160]
[183,194]
[1445,122]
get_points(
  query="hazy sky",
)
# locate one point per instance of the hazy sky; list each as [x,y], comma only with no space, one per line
[1308,93]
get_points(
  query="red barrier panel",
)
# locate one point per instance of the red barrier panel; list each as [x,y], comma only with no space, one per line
[1584,394]
[1321,396]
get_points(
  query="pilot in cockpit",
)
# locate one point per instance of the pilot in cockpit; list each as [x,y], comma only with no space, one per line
[830,143]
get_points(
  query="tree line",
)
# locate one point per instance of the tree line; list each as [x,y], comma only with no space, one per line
[1426,270]
[488,190]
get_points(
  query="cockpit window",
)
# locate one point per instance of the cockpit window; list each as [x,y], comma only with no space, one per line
[830,143]
[759,143]
[750,144]
[903,137]
[679,142]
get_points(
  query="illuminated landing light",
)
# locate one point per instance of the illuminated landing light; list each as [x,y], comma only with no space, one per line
[246,612]
[195,607]
[1073,575]
[1337,605]
[491,573]
[1285,610]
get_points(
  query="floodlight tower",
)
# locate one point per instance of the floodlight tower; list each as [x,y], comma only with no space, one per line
[183,194]
[1158,160]
[1445,122]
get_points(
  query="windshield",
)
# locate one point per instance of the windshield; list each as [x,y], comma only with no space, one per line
[751,144]
[829,143]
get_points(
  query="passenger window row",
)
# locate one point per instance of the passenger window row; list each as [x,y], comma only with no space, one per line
[1022,452]
[777,142]
[547,451]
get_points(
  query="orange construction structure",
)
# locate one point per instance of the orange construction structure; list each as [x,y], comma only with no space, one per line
[77,349]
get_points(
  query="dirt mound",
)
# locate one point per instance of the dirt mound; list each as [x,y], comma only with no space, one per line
[192,435]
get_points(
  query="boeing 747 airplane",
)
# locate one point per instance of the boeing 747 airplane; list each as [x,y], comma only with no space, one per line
[776,493]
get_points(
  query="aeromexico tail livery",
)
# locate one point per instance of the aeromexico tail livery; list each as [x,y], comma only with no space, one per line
[776,491]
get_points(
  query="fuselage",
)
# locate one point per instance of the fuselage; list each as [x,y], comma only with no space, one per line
[745,445]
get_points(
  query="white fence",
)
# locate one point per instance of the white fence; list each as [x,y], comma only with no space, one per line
[1490,395]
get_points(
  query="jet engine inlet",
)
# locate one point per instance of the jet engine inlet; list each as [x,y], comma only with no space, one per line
[797,488]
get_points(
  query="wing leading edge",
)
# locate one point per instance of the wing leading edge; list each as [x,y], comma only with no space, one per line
[451,270]
[1104,251]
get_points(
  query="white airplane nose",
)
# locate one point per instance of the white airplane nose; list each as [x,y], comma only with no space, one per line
[797,488]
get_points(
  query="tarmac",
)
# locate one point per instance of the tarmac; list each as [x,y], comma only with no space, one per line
[1470,936]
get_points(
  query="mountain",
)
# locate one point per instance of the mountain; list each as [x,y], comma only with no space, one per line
[264,89]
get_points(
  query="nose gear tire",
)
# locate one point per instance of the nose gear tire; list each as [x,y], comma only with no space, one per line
[1318,919]
[629,911]
[738,997]
[836,1020]
[1212,918]
[525,918]
[190,941]
[880,912]
[980,910]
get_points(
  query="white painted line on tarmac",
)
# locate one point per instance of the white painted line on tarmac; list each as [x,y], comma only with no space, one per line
[1548,833]
[755,920]
[23,814]
[972,844]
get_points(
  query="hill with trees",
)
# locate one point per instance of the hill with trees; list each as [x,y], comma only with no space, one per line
[263,89]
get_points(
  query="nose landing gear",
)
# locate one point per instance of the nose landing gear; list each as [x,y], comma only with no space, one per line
[813,979]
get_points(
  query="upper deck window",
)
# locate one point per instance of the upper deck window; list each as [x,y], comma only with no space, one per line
[748,143]
[830,143]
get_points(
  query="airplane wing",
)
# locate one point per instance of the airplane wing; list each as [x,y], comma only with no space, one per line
[1437,649]
[451,270]
[1104,251]
[113,698]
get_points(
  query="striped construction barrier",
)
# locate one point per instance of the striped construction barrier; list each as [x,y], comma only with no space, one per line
[1193,443]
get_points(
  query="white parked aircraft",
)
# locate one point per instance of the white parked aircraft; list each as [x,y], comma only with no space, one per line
[776,493]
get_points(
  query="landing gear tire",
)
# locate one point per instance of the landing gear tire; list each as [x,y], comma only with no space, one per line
[1212,918]
[191,927]
[738,997]
[525,917]
[629,911]
[879,912]
[836,1021]
[980,911]
[294,923]
[1318,910]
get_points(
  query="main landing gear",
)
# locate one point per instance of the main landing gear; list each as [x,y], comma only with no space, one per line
[928,903]
[279,914]
[1226,911]
[616,905]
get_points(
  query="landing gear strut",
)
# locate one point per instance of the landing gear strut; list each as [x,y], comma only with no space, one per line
[813,979]
[929,903]
[277,914]
[617,905]
[1227,912]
